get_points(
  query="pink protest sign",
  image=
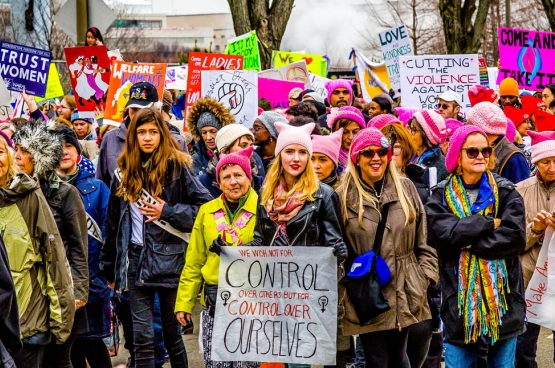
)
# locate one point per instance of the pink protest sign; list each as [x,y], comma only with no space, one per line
[527,56]
[277,91]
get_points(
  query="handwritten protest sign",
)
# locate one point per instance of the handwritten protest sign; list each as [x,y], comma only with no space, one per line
[89,73]
[24,67]
[122,76]
[295,72]
[277,91]
[53,86]
[176,77]
[395,42]
[276,305]
[373,77]
[316,64]
[527,56]
[319,84]
[484,77]
[246,45]
[423,78]
[235,89]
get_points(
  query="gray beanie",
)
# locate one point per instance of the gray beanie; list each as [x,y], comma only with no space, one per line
[208,118]
[269,118]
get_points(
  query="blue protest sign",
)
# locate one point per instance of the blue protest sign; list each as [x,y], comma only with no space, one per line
[24,67]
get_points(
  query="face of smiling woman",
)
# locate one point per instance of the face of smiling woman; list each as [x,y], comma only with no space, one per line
[294,159]
[372,164]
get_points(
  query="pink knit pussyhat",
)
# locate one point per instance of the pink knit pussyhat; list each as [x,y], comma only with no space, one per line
[455,144]
[241,158]
[451,125]
[366,138]
[382,120]
[345,112]
[543,145]
[488,117]
[288,134]
[510,134]
[328,145]
[340,83]
[406,112]
[433,125]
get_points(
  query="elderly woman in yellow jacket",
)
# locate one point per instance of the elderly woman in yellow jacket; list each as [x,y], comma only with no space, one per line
[228,220]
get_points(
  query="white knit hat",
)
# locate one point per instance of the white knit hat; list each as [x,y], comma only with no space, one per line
[543,145]
[229,133]
[294,135]
[488,117]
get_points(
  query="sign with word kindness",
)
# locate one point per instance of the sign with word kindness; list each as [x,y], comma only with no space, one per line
[276,304]
[423,78]
[395,42]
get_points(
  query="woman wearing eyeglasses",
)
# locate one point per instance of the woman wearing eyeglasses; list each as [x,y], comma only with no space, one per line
[476,221]
[372,188]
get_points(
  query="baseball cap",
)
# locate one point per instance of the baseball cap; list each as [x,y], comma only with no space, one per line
[142,95]
[315,96]
[451,96]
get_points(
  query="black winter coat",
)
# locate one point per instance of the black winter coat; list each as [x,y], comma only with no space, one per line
[163,254]
[449,234]
[438,161]
[10,343]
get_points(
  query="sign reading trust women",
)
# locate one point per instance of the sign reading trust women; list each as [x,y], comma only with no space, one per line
[527,56]
[276,304]
[24,67]
[423,78]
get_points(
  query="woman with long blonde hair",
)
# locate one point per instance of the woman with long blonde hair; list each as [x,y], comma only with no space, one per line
[154,202]
[372,189]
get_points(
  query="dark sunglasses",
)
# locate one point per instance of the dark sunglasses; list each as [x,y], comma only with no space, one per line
[442,106]
[473,152]
[371,153]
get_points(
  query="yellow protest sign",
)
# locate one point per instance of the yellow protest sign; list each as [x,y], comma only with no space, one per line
[316,64]
[53,85]
[373,77]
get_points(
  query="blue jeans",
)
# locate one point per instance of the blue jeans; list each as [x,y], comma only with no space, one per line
[500,355]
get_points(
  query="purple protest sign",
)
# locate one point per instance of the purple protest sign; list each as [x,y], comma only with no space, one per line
[277,91]
[527,56]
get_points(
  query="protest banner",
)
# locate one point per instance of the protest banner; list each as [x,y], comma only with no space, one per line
[316,64]
[423,78]
[277,91]
[53,86]
[247,46]
[395,42]
[114,55]
[373,76]
[276,304]
[199,61]
[176,77]
[527,56]
[89,73]
[319,84]
[484,77]
[24,67]
[295,72]
[493,72]
[237,90]
[122,76]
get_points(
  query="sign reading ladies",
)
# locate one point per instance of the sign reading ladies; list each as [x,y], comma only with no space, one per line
[423,78]
[276,305]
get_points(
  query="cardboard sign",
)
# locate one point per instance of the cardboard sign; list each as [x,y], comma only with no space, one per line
[122,76]
[296,72]
[199,61]
[237,90]
[53,86]
[373,77]
[484,77]
[527,56]
[24,67]
[89,73]
[276,91]
[319,84]
[395,42]
[316,64]
[423,78]
[247,46]
[276,304]
[176,77]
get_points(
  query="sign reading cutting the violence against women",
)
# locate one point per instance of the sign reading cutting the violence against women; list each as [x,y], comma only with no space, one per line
[395,42]
[423,78]
[246,45]
[276,304]
[527,56]
[24,67]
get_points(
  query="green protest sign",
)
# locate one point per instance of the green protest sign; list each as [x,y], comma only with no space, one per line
[245,45]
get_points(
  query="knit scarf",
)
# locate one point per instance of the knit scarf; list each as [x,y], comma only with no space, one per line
[428,153]
[344,157]
[482,283]
[282,208]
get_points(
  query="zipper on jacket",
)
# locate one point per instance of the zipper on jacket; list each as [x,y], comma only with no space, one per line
[300,232]
[126,256]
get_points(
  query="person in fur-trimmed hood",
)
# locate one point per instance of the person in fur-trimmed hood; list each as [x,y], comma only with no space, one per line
[204,120]
[39,151]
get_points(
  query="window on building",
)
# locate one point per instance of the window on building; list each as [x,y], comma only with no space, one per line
[223,36]
[137,23]
[217,47]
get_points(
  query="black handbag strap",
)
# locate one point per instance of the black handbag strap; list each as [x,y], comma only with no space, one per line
[380,231]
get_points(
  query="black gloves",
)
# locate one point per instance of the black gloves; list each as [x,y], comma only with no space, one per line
[217,244]
[340,251]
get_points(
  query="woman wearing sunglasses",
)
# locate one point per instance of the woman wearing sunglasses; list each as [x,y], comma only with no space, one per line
[476,221]
[370,183]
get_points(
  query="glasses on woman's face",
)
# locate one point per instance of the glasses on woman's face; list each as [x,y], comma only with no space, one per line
[473,152]
[397,149]
[371,153]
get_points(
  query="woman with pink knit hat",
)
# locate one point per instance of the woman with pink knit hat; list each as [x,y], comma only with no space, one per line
[536,192]
[450,126]
[476,222]
[325,157]
[351,120]
[371,190]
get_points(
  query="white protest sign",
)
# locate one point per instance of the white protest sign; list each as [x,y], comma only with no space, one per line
[237,90]
[294,72]
[395,42]
[319,84]
[423,78]
[276,304]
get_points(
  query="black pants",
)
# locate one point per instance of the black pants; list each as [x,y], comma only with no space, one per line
[433,360]
[386,348]
[420,335]
[526,347]
[91,350]
[123,311]
[59,356]
[31,356]
[340,360]
[141,300]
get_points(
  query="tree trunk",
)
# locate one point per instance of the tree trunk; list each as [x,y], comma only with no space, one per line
[549,8]
[461,35]
[269,22]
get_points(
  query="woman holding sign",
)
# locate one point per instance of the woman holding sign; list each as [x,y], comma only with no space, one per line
[228,220]
[153,204]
